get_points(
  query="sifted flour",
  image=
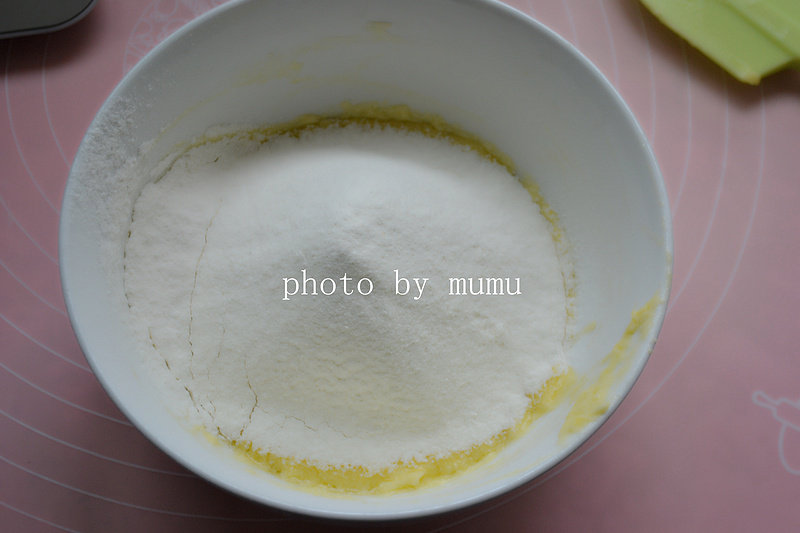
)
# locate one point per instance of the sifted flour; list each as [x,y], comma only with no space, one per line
[344,381]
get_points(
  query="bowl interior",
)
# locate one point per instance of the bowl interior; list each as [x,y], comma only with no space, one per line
[479,65]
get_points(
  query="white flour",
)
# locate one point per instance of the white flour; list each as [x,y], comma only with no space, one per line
[344,380]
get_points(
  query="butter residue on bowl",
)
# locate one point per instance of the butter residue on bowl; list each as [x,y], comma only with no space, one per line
[373,393]
[591,394]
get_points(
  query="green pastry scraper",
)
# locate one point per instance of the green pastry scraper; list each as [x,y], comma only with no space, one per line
[748,38]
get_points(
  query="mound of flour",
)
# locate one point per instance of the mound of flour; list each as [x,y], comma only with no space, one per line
[344,380]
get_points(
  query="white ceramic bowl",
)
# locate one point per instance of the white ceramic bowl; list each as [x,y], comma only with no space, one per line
[480,65]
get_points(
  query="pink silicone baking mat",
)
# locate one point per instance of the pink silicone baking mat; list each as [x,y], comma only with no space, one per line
[709,438]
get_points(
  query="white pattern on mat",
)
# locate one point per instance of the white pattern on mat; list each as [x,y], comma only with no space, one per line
[787,412]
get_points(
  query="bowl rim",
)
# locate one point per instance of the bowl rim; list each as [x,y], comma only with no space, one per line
[478,497]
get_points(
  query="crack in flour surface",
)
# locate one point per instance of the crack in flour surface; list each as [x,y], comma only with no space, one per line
[342,380]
